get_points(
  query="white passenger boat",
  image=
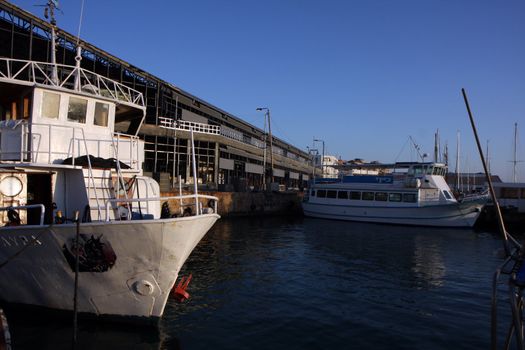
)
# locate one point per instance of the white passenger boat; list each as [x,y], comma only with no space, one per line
[406,194]
[59,155]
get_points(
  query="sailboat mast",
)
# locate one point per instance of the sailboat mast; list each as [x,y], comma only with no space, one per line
[515,161]
[436,146]
[487,156]
[457,161]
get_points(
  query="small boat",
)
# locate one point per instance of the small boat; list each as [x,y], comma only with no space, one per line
[413,193]
[62,163]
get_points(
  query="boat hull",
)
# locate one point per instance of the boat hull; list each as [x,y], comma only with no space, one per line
[128,268]
[450,215]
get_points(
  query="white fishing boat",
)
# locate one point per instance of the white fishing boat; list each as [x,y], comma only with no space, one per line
[400,193]
[59,155]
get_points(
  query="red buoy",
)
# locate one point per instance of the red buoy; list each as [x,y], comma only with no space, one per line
[179,293]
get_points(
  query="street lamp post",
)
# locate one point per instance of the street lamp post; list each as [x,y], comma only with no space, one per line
[267,114]
[312,152]
[322,159]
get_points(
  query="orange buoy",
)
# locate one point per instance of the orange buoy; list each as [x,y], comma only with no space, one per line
[179,293]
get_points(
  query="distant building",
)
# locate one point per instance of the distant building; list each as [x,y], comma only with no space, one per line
[469,182]
[511,195]
[327,165]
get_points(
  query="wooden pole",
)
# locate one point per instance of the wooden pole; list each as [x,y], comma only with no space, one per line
[501,224]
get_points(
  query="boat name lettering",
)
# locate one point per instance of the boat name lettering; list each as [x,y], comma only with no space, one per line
[12,241]
[384,180]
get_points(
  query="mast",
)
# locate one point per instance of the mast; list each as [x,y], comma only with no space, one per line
[436,146]
[49,12]
[457,161]
[487,156]
[515,161]
[445,154]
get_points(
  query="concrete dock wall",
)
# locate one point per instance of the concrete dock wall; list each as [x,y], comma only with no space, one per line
[248,203]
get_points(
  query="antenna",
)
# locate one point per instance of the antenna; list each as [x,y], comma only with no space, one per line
[49,13]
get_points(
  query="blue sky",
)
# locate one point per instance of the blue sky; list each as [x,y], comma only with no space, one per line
[361,75]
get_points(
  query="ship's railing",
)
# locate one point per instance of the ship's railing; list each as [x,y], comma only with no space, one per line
[30,206]
[170,123]
[50,143]
[115,203]
[68,77]
[127,145]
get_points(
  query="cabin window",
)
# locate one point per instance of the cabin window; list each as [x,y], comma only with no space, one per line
[76,111]
[312,193]
[381,196]
[394,197]
[101,114]
[321,193]
[342,195]
[355,195]
[50,105]
[447,195]
[409,197]
[331,194]
[417,170]
[368,196]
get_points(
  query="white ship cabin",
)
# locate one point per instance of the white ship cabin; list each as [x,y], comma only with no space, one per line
[400,182]
[49,125]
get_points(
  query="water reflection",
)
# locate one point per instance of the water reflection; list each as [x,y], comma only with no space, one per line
[413,254]
[428,262]
[262,283]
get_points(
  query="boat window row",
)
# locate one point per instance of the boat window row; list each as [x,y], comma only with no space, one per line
[419,170]
[76,110]
[366,195]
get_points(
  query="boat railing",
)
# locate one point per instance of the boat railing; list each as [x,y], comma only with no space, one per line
[169,123]
[52,143]
[127,146]
[26,207]
[173,124]
[114,203]
[68,77]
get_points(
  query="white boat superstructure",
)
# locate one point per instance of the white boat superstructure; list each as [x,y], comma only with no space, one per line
[59,155]
[408,194]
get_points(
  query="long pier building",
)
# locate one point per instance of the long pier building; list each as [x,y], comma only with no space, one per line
[232,155]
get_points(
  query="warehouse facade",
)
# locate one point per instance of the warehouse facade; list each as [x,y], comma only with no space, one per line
[231,154]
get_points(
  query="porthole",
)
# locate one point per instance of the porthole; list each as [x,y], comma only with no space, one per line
[10,186]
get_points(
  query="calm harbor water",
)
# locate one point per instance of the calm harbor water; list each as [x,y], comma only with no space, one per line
[263,283]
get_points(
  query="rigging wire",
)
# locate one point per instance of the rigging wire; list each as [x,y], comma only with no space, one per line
[402,150]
